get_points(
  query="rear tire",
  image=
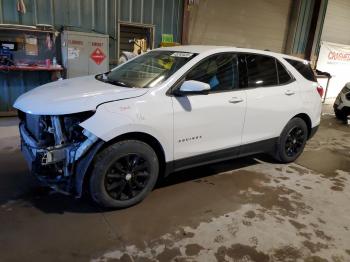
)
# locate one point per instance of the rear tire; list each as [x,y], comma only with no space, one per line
[340,115]
[292,141]
[124,174]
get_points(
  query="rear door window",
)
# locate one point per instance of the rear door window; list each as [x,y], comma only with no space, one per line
[262,70]
[303,68]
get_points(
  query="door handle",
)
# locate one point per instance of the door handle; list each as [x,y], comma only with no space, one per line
[235,100]
[289,93]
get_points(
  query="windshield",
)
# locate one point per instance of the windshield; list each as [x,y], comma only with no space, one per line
[147,70]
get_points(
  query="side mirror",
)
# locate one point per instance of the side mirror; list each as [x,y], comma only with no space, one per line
[193,87]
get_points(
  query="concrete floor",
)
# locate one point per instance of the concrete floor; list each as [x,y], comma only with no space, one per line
[249,209]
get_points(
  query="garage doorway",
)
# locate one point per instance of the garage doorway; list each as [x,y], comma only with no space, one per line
[128,32]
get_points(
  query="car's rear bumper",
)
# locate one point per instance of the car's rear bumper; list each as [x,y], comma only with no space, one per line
[341,101]
[342,109]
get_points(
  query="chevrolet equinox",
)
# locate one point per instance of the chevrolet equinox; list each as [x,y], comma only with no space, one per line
[167,110]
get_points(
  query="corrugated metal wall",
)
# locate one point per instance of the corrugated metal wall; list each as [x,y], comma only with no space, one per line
[99,15]
[300,25]
[320,24]
[14,83]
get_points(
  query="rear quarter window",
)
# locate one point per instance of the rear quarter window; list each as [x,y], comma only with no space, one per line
[283,75]
[303,68]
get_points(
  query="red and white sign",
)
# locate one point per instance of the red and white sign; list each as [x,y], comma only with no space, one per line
[334,59]
[98,56]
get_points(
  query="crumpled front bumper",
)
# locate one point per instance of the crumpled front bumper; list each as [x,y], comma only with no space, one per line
[28,155]
[57,166]
[58,184]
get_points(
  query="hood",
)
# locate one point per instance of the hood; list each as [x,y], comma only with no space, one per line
[72,96]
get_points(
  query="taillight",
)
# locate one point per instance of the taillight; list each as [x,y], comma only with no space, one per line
[320,91]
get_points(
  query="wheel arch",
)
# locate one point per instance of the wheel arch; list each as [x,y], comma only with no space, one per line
[144,137]
[141,136]
[307,121]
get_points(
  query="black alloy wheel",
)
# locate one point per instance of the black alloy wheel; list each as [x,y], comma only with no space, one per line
[123,174]
[292,141]
[127,177]
[295,141]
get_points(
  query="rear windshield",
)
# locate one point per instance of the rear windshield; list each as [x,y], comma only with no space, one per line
[303,68]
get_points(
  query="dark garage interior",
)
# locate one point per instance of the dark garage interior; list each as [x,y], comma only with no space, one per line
[59,55]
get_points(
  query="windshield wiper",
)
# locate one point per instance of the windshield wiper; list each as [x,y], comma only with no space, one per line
[116,82]
[104,78]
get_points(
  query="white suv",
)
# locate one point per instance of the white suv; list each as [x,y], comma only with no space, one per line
[342,103]
[166,110]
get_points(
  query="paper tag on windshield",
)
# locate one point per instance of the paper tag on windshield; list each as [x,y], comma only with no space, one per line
[180,54]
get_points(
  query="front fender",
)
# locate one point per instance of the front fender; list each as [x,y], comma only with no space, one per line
[122,117]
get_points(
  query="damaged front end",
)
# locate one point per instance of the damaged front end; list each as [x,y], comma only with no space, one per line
[57,149]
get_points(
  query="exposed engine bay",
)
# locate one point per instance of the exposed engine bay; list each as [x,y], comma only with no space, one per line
[54,145]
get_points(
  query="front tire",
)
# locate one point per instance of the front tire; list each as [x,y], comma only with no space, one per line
[124,174]
[292,141]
